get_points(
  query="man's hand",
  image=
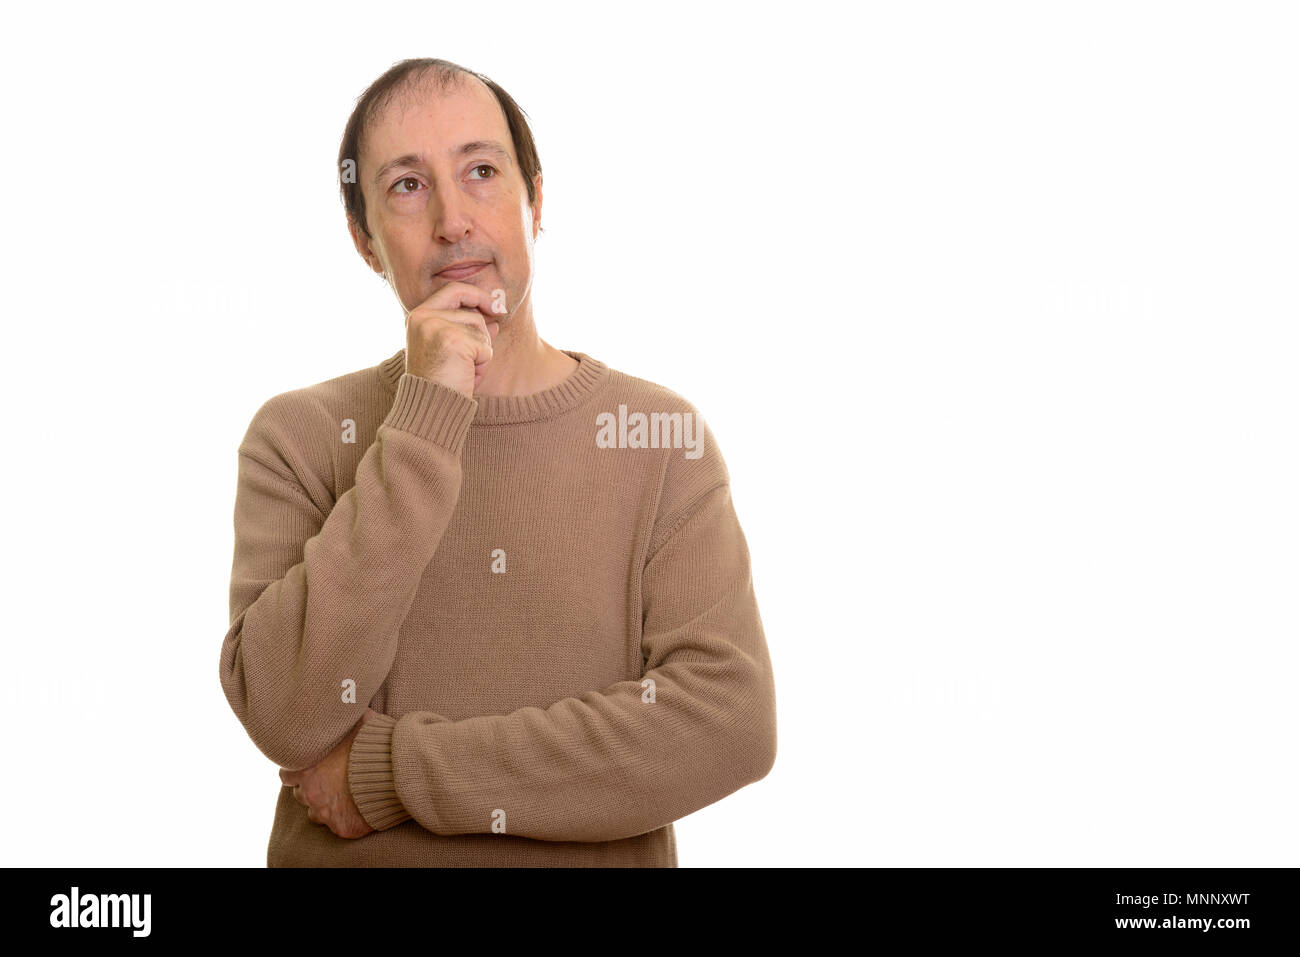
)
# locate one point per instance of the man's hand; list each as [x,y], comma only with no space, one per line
[324,790]
[448,338]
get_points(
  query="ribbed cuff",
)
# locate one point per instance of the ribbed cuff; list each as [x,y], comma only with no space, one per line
[432,411]
[370,774]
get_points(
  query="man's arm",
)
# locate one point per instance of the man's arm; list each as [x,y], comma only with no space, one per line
[318,599]
[610,764]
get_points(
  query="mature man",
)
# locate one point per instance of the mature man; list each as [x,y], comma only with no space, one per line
[490,602]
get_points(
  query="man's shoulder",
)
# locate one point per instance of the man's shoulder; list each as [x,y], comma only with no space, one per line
[297,413]
[638,412]
[645,395]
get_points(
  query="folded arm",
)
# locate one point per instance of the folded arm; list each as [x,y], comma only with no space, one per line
[612,763]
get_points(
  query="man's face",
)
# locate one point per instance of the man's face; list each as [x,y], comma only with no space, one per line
[443,186]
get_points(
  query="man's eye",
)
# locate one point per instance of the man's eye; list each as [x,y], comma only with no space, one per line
[485,166]
[403,181]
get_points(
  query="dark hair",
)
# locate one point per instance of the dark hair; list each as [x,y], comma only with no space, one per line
[400,77]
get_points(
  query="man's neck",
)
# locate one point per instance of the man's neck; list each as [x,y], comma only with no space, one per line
[522,363]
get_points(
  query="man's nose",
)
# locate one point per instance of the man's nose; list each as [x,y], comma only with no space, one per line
[451,221]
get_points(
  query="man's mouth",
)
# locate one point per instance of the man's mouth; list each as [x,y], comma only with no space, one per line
[462,270]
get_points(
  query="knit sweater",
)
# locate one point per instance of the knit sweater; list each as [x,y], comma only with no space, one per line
[549,604]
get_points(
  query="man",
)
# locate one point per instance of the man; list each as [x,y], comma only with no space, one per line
[490,601]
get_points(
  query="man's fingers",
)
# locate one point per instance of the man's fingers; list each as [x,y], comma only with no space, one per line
[461,295]
[484,333]
[471,317]
[447,335]
[484,354]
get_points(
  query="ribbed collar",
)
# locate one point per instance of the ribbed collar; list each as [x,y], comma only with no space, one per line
[590,376]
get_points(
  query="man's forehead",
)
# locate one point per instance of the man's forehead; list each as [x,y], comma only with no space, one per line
[428,117]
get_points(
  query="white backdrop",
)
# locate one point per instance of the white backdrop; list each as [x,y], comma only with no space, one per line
[991,307]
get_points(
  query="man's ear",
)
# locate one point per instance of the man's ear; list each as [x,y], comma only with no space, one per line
[363,245]
[537,204]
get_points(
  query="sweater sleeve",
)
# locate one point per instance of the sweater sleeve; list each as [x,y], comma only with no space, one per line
[318,591]
[613,763]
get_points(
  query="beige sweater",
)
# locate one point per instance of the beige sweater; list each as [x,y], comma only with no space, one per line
[561,636]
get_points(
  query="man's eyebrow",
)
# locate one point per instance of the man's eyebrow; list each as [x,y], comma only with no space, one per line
[416,159]
[407,159]
[484,146]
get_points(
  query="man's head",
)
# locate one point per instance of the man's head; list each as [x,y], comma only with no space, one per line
[438,166]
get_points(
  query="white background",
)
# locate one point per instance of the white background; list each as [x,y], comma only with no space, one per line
[991,307]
